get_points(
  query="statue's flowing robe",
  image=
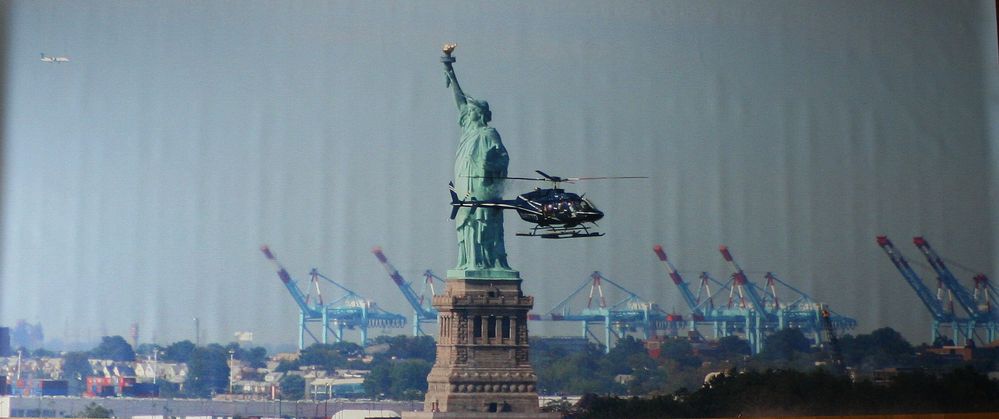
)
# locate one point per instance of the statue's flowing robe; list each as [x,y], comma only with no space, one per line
[480,163]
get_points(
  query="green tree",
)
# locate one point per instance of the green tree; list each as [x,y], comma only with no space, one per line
[147,349]
[255,357]
[75,370]
[292,387]
[378,381]
[409,379]
[207,371]
[408,347]
[43,353]
[114,348]
[178,351]
[733,346]
[329,356]
[785,345]
[882,348]
[577,372]
[680,351]
[94,410]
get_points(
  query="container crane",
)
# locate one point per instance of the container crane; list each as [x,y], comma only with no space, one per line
[350,311]
[934,305]
[776,306]
[979,317]
[803,312]
[688,296]
[962,295]
[628,314]
[985,297]
[307,313]
[423,312]
[758,316]
[743,286]
[723,321]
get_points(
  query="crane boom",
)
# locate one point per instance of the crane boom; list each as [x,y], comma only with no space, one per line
[688,296]
[422,312]
[931,303]
[964,298]
[742,282]
[289,283]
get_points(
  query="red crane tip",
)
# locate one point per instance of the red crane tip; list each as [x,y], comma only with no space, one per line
[725,253]
[919,241]
[660,252]
[883,240]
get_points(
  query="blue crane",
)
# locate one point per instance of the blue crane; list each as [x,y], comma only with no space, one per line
[350,311]
[936,308]
[685,292]
[803,312]
[980,315]
[296,294]
[743,286]
[724,321]
[962,295]
[798,309]
[423,312]
[628,314]
[759,316]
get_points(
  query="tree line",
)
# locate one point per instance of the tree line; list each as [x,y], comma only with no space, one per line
[773,393]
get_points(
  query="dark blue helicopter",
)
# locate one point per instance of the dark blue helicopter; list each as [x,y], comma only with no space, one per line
[557,214]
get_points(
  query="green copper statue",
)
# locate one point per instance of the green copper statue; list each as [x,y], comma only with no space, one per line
[479,168]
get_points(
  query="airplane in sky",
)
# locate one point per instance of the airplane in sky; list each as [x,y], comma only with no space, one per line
[50,59]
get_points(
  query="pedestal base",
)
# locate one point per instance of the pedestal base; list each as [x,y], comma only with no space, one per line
[482,365]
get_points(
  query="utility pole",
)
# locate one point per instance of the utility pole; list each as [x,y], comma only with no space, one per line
[156,364]
[231,354]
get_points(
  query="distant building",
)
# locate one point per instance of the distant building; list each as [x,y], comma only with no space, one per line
[957,353]
[4,341]
[330,388]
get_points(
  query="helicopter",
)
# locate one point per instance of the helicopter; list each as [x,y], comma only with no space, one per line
[557,214]
[50,59]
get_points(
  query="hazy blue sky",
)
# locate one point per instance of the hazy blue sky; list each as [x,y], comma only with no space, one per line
[140,179]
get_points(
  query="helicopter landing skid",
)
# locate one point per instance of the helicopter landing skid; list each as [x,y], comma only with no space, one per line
[549,232]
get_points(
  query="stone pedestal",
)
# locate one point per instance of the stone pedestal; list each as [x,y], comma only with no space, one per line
[482,367]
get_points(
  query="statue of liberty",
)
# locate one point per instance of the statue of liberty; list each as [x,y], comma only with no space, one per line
[479,168]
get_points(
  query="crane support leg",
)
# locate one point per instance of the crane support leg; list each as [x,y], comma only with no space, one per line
[301,330]
[607,334]
[326,329]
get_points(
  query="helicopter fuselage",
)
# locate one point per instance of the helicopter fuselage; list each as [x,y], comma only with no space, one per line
[555,206]
[550,207]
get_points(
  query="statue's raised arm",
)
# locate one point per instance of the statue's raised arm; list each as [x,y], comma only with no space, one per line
[452,80]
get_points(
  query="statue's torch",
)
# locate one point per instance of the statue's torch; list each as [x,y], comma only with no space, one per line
[447,59]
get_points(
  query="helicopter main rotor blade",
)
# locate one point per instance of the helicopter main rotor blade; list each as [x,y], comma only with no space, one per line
[550,177]
[504,177]
[570,179]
